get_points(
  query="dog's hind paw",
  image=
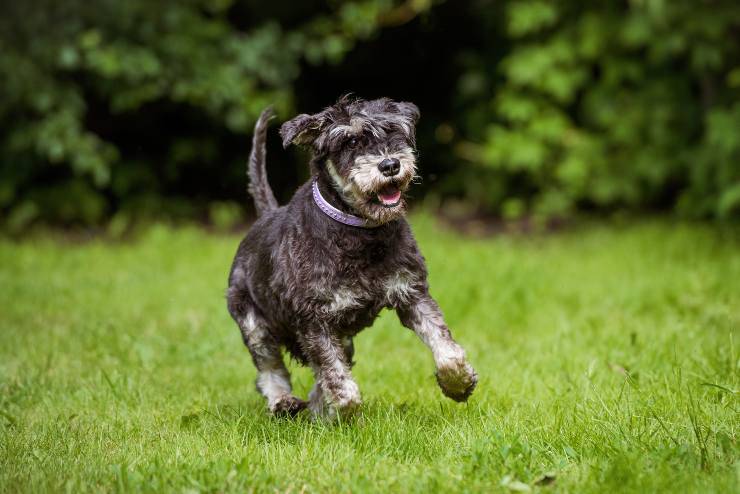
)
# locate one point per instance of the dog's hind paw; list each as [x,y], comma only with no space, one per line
[288,406]
[457,380]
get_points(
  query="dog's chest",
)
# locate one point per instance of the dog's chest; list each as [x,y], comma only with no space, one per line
[345,281]
[350,298]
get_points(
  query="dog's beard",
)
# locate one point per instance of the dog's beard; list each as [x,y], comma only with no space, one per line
[376,197]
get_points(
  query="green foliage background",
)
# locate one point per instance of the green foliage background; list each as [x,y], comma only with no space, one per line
[117,110]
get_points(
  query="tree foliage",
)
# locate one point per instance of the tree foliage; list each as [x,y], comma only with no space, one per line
[615,105]
[112,108]
[69,65]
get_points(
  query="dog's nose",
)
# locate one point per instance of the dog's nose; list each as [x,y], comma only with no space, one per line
[389,167]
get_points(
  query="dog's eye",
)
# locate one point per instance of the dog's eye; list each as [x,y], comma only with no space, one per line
[353,142]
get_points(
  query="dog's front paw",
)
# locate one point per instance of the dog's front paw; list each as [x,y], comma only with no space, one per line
[287,406]
[346,402]
[346,409]
[457,378]
[342,401]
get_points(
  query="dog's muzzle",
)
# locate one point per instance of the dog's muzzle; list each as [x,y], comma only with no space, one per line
[390,195]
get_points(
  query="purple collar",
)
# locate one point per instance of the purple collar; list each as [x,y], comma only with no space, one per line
[337,215]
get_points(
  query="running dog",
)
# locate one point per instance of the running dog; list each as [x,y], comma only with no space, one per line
[312,274]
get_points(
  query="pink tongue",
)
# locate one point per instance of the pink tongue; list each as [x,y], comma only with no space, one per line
[390,197]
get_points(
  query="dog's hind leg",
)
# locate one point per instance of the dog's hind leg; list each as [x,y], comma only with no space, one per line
[273,378]
[335,390]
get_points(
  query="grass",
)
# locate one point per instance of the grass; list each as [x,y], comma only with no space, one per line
[608,361]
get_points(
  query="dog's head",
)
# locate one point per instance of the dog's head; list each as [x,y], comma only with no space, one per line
[366,148]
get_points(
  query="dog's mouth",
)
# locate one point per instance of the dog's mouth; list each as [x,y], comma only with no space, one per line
[389,196]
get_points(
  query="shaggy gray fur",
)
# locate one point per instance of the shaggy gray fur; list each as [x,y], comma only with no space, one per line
[304,282]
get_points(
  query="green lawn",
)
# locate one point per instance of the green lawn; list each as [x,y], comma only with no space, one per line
[608,361]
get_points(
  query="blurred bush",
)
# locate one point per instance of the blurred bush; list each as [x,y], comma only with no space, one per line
[71,68]
[611,105]
[115,109]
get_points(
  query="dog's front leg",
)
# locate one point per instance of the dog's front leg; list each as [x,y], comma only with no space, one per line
[455,375]
[335,389]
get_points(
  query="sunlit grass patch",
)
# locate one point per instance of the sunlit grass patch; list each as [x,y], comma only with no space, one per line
[608,359]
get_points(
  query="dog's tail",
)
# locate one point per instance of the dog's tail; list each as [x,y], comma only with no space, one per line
[259,188]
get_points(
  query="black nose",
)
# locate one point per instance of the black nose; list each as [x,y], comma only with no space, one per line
[389,167]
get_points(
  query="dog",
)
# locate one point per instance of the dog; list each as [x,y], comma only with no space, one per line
[310,275]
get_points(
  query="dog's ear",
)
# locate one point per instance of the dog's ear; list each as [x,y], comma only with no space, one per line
[409,110]
[410,113]
[301,130]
